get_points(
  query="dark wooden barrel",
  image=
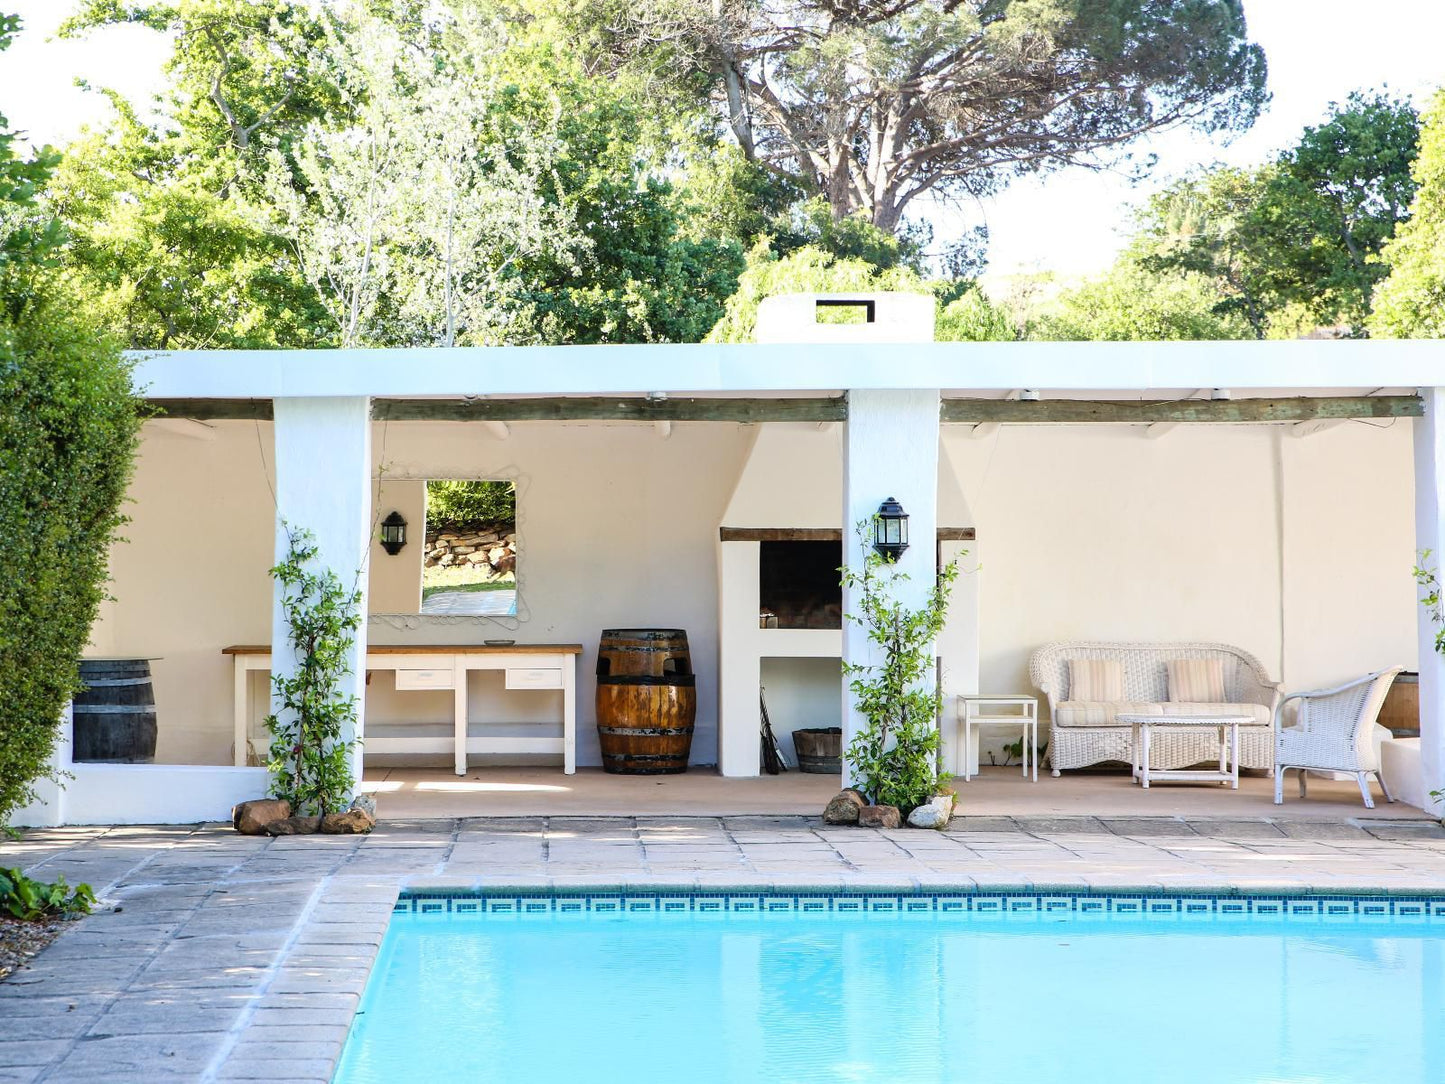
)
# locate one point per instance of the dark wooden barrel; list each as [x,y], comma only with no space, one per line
[646,701]
[1401,710]
[115,715]
[819,749]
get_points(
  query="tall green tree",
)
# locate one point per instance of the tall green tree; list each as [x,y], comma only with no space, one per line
[1410,302]
[166,245]
[872,106]
[1302,235]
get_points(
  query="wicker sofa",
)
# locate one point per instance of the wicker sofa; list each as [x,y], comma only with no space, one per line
[1086,732]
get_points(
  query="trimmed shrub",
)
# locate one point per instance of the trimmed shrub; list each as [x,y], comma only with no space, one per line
[465,501]
[68,430]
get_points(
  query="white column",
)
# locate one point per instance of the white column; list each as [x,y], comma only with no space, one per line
[1430,535]
[739,668]
[323,485]
[890,449]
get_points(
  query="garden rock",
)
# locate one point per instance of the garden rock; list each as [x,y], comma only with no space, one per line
[366,802]
[294,826]
[354,822]
[879,816]
[844,807]
[934,814]
[251,818]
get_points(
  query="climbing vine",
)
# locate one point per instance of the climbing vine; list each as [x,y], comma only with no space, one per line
[310,754]
[894,759]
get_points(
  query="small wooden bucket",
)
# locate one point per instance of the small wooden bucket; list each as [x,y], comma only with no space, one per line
[646,701]
[820,750]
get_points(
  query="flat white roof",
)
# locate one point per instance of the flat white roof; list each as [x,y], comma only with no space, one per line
[733,369]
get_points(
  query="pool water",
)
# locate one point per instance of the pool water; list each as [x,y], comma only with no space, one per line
[901,999]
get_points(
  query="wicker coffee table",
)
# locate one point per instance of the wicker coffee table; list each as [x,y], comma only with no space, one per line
[1227,727]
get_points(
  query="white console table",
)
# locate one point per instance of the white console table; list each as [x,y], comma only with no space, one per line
[527,666]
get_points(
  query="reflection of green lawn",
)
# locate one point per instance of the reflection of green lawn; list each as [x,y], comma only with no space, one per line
[487,585]
[466,578]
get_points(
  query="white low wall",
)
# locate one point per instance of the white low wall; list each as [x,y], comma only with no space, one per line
[136,793]
[144,794]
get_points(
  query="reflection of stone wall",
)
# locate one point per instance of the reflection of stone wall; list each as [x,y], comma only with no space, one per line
[491,550]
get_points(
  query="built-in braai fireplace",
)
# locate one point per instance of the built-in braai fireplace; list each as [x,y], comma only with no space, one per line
[798,586]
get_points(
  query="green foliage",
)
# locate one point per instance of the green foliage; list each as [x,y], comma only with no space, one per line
[27,899]
[456,501]
[68,431]
[1130,302]
[1300,236]
[29,238]
[310,756]
[894,760]
[972,317]
[171,244]
[1411,301]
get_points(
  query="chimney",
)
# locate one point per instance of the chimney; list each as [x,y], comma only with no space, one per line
[846,318]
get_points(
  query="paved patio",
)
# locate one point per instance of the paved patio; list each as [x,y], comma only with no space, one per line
[421,793]
[221,957]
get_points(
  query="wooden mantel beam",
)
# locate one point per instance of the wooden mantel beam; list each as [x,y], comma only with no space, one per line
[1157,412]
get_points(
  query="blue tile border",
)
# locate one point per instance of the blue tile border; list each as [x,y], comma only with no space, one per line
[1147,905]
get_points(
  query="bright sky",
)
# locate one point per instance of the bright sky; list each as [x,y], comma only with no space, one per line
[1318,51]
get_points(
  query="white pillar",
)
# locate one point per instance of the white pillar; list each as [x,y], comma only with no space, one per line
[739,665]
[890,449]
[1430,535]
[323,485]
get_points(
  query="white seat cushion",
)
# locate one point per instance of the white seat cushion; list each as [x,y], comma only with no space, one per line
[1258,712]
[1106,712]
[1099,712]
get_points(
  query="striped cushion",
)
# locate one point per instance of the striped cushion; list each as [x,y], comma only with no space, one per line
[1096,679]
[1196,681]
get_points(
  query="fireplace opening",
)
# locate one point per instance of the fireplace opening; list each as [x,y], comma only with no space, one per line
[798,584]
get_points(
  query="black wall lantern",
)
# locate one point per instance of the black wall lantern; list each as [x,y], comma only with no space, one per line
[393,533]
[890,530]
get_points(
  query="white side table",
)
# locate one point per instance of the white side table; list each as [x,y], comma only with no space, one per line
[1010,710]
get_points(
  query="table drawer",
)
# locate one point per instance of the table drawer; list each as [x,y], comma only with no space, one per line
[426,679]
[535,677]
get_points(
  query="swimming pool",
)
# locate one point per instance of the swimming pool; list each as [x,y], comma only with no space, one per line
[905,989]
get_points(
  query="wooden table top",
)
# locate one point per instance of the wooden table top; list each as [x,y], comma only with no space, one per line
[433,649]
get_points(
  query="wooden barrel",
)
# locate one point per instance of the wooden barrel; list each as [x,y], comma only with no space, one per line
[646,701]
[819,749]
[114,718]
[1401,710]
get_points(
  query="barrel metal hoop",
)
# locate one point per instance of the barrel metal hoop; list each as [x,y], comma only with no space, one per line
[113,709]
[110,683]
[682,680]
[645,731]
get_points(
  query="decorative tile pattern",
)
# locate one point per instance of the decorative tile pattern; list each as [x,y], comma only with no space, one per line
[1009,905]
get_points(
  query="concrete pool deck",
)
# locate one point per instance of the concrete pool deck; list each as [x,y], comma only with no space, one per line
[215,956]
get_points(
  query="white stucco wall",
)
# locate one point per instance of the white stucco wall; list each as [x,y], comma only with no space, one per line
[395,581]
[1083,532]
[1296,549]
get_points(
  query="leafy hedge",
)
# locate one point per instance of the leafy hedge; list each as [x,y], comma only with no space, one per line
[468,501]
[68,432]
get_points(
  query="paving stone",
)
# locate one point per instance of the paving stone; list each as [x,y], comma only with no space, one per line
[1147,826]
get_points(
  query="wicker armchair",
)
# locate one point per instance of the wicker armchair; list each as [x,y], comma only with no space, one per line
[1085,733]
[1332,732]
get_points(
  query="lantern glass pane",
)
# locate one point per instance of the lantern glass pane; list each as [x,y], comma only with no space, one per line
[903,529]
